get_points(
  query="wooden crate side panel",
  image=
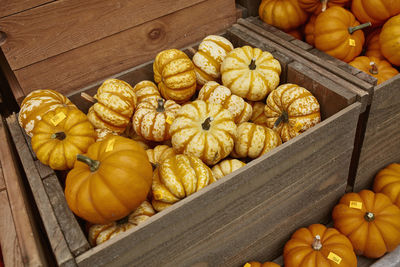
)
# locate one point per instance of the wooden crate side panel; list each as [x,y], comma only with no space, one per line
[2,184]
[167,233]
[382,137]
[57,241]
[9,7]
[67,24]
[307,199]
[251,6]
[73,234]
[79,67]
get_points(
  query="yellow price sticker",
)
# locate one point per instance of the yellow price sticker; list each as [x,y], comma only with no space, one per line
[169,119]
[110,145]
[335,258]
[59,117]
[297,127]
[355,205]
[352,42]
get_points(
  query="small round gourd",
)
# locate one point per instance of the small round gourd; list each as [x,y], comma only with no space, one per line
[291,110]
[177,177]
[38,103]
[380,69]
[60,136]
[225,167]
[153,118]
[387,182]
[158,154]
[207,60]
[100,233]
[204,130]
[174,73]
[115,105]
[250,73]
[213,92]
[146,90]
[318,6]
[389,39]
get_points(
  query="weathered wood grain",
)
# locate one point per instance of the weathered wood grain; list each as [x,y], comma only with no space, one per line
[250,5]
[82,66]
[55,235]
[168,234]
[391,259]
[44,171]
[2,184]
[11,79]
[9,7]
[381,144]
[67,24]
[73,234]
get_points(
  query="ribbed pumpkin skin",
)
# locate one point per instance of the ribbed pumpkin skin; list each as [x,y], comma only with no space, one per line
[283,14]
[146,90]
[332,36]
[207,60]
[38,103]
[121,183]
[315,6]
[389,40]
[115,105]
[178,177]
[258,116]
[371,239]
[100,233]
[309,30]
[373,46]
[158,154]
[375,11]
[259,264]
[174,73]
[387,182]
[301,107]
[60,154]
[102,134]
[254,140]
[225,167]
[152,122]
[384,68]
[190,137]
[213,92]
[299,251]
[251,84]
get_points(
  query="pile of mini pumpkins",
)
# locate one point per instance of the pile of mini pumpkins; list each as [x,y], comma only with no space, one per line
[365,223]
[363,33]
[141,149]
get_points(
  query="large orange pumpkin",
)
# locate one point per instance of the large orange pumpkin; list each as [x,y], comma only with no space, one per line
[338,34]
[110,181]
[283,14]
[375,11]
[318,6]
[316,246]
[389,39]
[387,181]
[371,222]
[380,69]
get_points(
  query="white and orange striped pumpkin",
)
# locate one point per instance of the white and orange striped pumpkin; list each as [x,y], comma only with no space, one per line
[158,154]
[213,92]
[146,90]
[258,116]
[225,167]
[291,110]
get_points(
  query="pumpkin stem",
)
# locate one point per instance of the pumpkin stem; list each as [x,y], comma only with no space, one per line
[283,117]
[206,124]
[324,5]
[160,107]
[252,65]
[374,68]
[93,164]
[59,135]
[317,245]
[369,216]
[88,98]
[359,27]
[123,220]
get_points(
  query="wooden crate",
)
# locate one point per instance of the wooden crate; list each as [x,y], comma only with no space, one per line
[378,134]
[248,214]
[66,45]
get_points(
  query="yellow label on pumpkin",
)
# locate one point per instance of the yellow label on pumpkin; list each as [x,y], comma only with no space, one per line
[59,117]
[352,42]
[335,258]
[247,265]
[110,145]
[355,205]
[169,119]
[297,127]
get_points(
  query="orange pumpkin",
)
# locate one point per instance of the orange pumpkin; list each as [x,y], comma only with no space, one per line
[318,6]
[375,11]
[283,14]
[373,47]
[309,30]
[389,39]
[387,181]
[146,90]
[338,34]
[38,103]
[259,264]
[317,245]
[371,222]
[115,173]
[380,69]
